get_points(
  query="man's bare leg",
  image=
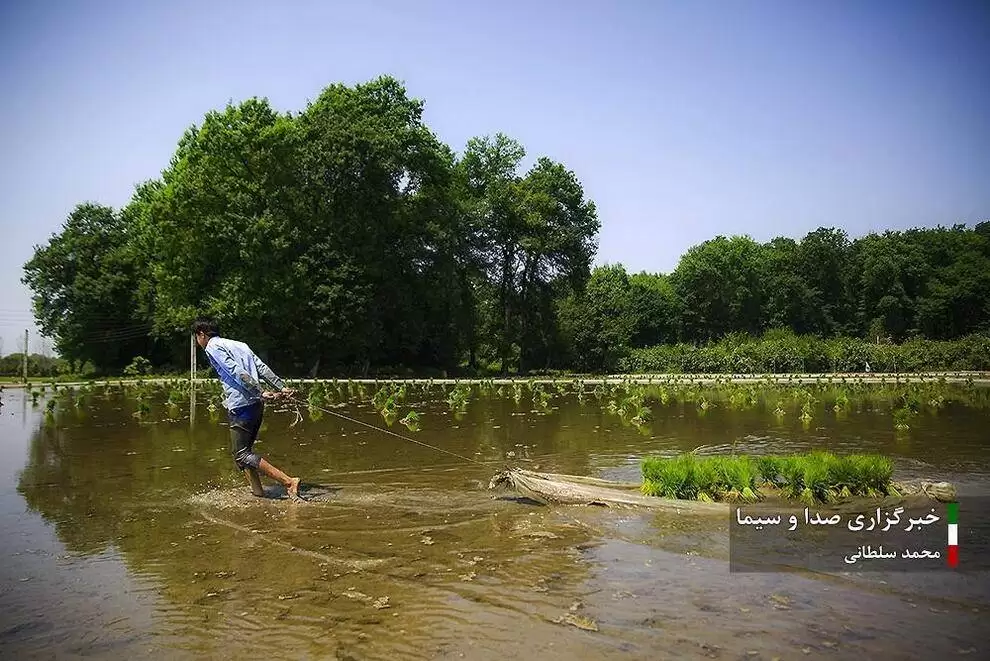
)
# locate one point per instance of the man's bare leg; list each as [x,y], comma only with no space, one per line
[255,481]
[291,483]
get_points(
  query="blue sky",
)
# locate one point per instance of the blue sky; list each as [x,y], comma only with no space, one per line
[683,120]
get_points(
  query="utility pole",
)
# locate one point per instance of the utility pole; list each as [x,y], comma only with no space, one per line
[192,360]
[25,355]
[192,380]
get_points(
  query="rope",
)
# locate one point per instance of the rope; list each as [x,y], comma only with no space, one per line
[386,431]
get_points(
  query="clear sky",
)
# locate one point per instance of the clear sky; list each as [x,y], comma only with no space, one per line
[683,120]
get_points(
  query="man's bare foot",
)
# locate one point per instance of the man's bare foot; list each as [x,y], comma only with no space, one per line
[293,489]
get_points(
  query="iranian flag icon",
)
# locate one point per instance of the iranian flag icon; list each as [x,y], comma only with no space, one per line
[952,515]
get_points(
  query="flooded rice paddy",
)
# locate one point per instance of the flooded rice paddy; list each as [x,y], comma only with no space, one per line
[127,531]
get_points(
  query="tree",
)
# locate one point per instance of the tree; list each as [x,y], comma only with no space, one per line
[375,193]
[720,284]
[788,300]
[597,322]
[556,248]
[537,236]
[219,226]
[655,310]
[84,281]
[824,267]
[493,184]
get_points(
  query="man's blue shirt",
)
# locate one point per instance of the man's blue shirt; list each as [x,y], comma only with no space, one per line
[239,370]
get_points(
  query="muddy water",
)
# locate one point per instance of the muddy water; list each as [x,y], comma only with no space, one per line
[126,536]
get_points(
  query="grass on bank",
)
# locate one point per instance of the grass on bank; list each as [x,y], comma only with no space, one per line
[815,477]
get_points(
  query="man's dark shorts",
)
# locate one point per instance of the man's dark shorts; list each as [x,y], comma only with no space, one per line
[245,422]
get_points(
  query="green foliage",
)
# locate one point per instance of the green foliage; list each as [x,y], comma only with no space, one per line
[691,477]
[84,283]
[719,282]
[38,365]
[411,421]
[140,366]
[346,237]
[782,352]
[458,398]
[811,478]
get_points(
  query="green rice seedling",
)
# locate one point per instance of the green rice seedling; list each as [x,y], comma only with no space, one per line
[738,400]
[811,478]
[792,473]
[663,395]
[316,395]
[739,475]
[842,476]
[709,486]
[458,398]
[902,418]
[143,408]
[176,397]
[381,398]
[669,478]
[411,421]
[876,472]
[859,468]
[768,469]
[643,416]
[814,478]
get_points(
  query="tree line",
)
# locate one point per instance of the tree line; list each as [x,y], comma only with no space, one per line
[348,239]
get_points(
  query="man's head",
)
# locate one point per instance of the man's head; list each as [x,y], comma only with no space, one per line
[204,329]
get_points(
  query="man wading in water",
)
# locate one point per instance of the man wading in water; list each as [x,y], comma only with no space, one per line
[239,370]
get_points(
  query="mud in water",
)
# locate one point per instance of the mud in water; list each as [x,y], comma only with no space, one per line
[130,535]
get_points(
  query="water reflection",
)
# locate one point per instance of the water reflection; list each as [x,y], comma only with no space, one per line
[407,551]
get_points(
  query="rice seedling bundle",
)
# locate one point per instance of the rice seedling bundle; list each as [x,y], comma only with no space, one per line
[814,477]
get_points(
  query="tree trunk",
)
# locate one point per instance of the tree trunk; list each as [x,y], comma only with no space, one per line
[505,336]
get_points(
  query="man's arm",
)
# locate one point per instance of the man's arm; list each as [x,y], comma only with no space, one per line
[266,373]
[231,373]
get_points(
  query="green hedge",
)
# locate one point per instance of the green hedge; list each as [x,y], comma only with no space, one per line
[779,353]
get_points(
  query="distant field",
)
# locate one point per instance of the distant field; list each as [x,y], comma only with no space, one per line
[862,377]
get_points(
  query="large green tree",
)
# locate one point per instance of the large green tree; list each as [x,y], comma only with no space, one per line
[347,236]
[721,285]
[597,322]
[655,309]
[537,235]
[84,282]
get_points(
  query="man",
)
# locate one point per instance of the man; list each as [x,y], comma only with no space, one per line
[239,370]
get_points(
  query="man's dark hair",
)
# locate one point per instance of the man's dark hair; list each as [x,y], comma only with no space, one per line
[207,326]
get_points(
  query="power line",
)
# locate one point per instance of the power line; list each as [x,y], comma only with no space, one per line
[386,431]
